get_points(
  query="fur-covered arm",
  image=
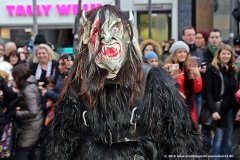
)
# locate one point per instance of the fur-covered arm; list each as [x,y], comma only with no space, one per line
[64,133]
[166,118]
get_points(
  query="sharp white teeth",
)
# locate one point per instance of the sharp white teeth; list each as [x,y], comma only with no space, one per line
[117,47]
[118,56]
[107,57]
[102,50]
[113,46]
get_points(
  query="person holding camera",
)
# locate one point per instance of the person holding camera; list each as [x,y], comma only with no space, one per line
[186,74]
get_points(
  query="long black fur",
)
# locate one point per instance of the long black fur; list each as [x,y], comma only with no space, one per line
[167,118]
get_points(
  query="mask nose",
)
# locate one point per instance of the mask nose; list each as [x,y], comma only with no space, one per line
[107,37]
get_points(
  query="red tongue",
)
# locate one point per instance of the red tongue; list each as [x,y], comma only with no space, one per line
[111,52]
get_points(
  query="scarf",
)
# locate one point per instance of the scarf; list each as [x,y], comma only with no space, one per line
[213,50]
[1,59]
[39,70]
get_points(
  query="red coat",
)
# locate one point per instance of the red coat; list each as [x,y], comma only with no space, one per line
[197,86]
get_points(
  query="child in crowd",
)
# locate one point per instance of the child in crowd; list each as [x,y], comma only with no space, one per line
[49,84]
[152,58]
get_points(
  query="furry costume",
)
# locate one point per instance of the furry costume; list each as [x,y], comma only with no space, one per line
[103,118]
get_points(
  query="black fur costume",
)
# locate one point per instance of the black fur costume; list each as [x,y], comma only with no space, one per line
[161,124]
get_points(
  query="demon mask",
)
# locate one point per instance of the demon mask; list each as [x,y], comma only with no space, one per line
[107,42]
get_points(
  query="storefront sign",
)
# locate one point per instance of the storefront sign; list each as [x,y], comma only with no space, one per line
[44,9]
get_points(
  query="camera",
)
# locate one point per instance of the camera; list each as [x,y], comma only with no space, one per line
[174,67]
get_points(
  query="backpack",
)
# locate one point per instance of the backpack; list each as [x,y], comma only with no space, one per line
[7,144]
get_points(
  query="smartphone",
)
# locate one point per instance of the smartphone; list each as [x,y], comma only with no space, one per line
[174,67]
[193,62]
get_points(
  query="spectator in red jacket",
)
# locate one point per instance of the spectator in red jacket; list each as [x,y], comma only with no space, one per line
[188,78]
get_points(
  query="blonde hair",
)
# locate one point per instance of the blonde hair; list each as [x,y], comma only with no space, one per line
[216,59]
[51,56]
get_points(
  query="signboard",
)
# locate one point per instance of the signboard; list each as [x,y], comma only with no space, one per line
[44,9]
[60,13]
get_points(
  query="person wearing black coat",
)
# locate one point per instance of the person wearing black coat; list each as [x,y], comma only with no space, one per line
[44,63]
[54,70]
[220,85]
[5,98]
[209,52]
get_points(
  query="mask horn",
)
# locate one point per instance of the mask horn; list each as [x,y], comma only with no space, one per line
[86,27]
[131,19]
[83,18]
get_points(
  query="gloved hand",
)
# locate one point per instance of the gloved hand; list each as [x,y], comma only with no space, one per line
[12,105]
[12,114]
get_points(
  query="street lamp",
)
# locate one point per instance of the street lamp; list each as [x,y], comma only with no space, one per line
[149,19]
[77,24]
[35,25]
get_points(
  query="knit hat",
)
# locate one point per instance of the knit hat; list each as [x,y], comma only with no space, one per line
[20,50]
[177,45]
[39,39]
[1,44]
[150,55]
[205,35]
[236,40]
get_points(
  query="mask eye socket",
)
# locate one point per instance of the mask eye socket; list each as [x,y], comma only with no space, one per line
[115,29]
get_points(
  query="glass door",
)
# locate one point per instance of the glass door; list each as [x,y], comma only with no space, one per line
[161,25]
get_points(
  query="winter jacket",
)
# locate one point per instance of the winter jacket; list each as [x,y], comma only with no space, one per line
[59,81]
[30,114]
[7,98]
[208,56]
[197,87]
[52,95]
[212,90]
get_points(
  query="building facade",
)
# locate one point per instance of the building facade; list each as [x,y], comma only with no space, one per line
[215,14]
[56,19]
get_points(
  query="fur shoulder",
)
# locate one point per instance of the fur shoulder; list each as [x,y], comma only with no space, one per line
[166,118]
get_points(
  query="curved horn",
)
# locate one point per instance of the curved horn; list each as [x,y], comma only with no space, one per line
[83,18]
[131,19]
[86,27]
